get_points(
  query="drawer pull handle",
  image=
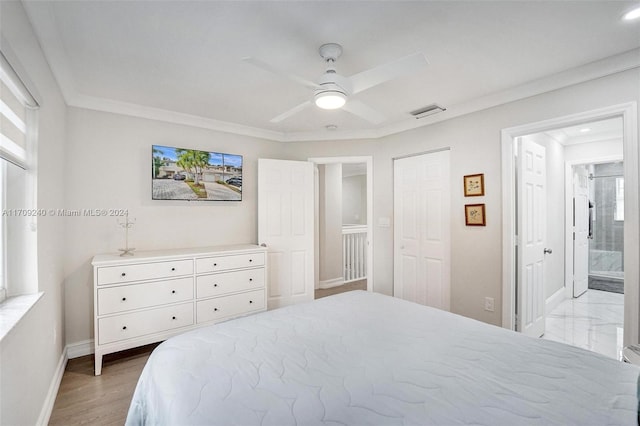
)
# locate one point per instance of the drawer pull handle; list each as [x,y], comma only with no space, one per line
[215,285]
[173,318]
[215,264]
[123,274]
[250,260]
[215,309]
[124,327]
[250,279]
[250,301]
[173,292]
[173,269]
[124,299]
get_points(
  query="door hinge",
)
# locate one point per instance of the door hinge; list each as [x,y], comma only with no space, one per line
[515,322]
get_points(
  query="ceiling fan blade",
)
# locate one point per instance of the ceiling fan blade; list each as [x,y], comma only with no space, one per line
[258,63]
[363,111]
[291,112]
[389,71]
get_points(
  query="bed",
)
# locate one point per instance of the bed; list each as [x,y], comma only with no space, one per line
[362,358]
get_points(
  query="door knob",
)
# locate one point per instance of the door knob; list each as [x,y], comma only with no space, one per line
[548,251]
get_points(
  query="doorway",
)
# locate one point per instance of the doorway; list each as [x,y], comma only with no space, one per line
[577,308]
[344,208]
[627,114]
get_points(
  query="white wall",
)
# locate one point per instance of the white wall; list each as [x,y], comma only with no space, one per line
[109,158]
[330,226]
[474,140]
[31,352]
[354,200]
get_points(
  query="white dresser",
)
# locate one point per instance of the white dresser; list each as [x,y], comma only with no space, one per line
[154,295]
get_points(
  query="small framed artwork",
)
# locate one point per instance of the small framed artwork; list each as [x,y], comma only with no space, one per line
[474,215]
[474,185]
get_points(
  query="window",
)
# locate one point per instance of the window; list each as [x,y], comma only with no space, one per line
[3,240]
[619,213]
[17,184]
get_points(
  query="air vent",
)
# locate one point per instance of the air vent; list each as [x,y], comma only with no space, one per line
[428,110]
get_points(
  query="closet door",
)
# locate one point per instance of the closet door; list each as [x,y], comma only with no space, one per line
[422,229]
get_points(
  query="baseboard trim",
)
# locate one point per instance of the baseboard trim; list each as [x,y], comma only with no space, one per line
[47,407]
[331,283]
[70,351]
[554,300]
[78,349]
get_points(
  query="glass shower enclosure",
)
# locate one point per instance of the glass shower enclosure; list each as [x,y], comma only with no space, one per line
[606,210]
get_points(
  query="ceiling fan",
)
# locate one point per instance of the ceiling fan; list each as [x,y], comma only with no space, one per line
[333,91]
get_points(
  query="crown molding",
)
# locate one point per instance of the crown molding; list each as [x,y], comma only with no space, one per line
[158,114]
[45,27]
[591,71]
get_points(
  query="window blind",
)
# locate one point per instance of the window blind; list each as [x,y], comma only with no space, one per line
[15,100]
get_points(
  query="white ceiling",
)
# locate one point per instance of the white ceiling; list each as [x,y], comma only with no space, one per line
[182,60]
[595,131]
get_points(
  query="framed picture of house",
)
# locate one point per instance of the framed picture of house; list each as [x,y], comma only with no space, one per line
[474,185]
[474,215]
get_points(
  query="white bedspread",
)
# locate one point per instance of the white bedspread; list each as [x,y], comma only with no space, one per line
[362,358]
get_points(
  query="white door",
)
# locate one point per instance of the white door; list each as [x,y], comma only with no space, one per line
[580,230]
[285,226]
[531,237]
[422,231]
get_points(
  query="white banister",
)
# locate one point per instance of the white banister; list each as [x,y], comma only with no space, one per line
[354,250]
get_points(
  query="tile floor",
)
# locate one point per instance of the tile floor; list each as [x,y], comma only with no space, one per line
[593,321]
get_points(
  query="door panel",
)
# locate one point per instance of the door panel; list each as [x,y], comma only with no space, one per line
[422,229]
[285,226]
[531,237]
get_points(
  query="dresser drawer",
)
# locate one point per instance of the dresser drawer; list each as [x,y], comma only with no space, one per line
[227,306]
[135,296]
[136,324]
[229,282]
[223,263]
[144,271]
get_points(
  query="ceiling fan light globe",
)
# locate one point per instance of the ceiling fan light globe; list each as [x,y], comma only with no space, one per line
[330,99]
[632,14]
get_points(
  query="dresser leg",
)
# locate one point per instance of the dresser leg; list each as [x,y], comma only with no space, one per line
[98,364]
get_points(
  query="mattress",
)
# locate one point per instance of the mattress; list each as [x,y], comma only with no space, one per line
[362,358]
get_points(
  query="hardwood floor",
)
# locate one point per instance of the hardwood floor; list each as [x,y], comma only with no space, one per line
[99,400]
[356,285]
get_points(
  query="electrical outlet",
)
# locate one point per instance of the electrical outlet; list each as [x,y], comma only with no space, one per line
[488,304]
